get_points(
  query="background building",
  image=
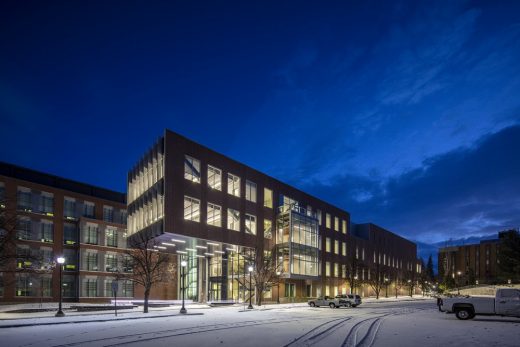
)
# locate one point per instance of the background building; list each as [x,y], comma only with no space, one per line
[53,217]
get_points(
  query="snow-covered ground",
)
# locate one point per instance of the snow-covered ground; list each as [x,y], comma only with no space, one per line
[382,323]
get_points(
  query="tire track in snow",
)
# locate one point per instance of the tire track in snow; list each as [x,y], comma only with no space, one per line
[309,338]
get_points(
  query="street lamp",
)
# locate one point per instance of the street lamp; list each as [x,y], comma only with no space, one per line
[60,261]
[250,268]
[458,282]
[386,287]
[183,276]
[353,290]
[410,286]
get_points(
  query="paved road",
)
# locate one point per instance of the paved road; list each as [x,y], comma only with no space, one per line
[227,326]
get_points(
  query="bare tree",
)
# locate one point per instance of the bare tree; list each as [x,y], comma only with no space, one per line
[376,279]
[148,265]
[14,259]
[267,273]
[411,281]
[398,281]
[352,269]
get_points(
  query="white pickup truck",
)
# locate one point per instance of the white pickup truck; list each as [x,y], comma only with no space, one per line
[505,303]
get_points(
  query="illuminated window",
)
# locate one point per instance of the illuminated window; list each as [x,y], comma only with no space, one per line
[191,209]
[343,271]
[336,246]
[327,244]
[336,223]
[91,261]
[191,169]
[233,185]
[214,178]
[110,262]
[268,229]
[214,215]
[233,219]
[343,248]
[111,237]
[327,269]
[268,198]
[90,287]
[250,191]
[336,270]
[327,221]
[319,216]
[250,224]
[344,226]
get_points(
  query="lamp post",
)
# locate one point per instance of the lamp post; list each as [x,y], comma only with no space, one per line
[183,276]
[250,268]
[60,261]
[458,282]
[278,286]
[386,287]
[410,286]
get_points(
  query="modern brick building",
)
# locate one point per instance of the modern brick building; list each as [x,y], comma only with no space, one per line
[59,217]
[218,214]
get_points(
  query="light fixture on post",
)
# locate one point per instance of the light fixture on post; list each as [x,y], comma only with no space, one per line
[250,307]
[60,261]
[183,276]
[457,282]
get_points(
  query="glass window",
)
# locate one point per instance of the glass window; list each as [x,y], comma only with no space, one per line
[191,209]
[268,198]
[69,208]
[233,219]
[214,178]
[336,270]
[23,228]
[318,212]
[127,289]
[108,213]
[111,237]
[250,224]
[268,229]
[46,231]
[233,183]
[327,269]
[47,203]
[336,223]
[91,234]
[90,287]
[336,246]
[111,263]
[70,234]
[2,196]
[91,261]
[214,215]
[191,169]
[344,226]
[327,220]
[250,191]
[327,244]
[344,248]
[89,209]
[24,199]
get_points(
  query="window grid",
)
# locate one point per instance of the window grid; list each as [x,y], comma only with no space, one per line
[214,178]
[233,185]
[191,209]
[214,215]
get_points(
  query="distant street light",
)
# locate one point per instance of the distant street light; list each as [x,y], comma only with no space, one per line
[60,261]
[183,276]
[457,282]
[250,307]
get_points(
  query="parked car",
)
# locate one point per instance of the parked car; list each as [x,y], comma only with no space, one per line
[324,301]
[506,302]
[349,300]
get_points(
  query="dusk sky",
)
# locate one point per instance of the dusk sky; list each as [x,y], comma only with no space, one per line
[404,113]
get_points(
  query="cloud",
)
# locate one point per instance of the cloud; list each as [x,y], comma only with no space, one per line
[471,191]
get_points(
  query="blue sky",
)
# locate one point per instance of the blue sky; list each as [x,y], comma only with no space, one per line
[404,113]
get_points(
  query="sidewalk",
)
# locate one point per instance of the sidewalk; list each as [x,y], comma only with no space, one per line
[12,320]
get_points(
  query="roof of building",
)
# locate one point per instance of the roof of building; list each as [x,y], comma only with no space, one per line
[21,173]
